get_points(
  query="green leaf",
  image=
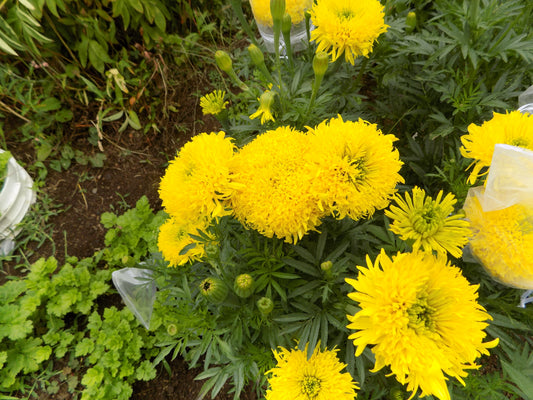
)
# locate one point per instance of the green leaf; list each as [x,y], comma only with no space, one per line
[134,120]
[93,377]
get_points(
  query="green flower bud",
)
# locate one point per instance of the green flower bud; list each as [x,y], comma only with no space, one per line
[326,266]
[243,285]
[214,289]
[286,24]
[172,329]
[223,61]
[265,306]
[256,55]
[211,249]
[410,22]
[277,9]
[320,63]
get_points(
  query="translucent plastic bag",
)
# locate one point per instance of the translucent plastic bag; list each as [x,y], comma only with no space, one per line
[501,216]
[137,288]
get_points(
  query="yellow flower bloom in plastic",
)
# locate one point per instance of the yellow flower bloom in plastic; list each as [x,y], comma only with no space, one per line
[358,168]
[196,183]
[347,26]
[213,103]
[273,184]
[264,111]
[295,8]
[296,377]
[429,223]
[513,128]
[422,319]
[174,236]
[502,241]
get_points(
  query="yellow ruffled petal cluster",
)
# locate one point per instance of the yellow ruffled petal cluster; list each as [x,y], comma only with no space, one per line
[295,8]
[296,377]
[213,103]
[513,128]
[175,236]
[421,318]
[196,182]
[347,26]
[357,167]
[502,241]
[429,223]
[273,185]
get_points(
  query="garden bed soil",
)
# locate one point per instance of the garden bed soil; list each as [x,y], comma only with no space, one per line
[134,165]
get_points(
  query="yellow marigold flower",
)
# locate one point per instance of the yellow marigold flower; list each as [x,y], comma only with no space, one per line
[421,317]
[357,167]
[213,103]
[513,128]
[265,103]
[273,184]
[347,26]
[174,236]
[502,240]
[429,222]
[295,8]
[196,183]
[296,377]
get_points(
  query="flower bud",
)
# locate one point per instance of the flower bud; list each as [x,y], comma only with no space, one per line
[320,63]
[223,61]
[277,9]
[243,285]
[256,55]
[410,22]
[211,249]
[326,266]
[213,289]
[265,306]
[172,329]
[286,24]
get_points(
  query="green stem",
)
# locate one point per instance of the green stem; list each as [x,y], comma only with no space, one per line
[361,72]
[237,8]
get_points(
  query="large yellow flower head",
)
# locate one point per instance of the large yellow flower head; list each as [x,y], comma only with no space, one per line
[502,240]
[295,8]
[196,183]
[357,167]
[347,26]
[296,377]
[513,128]
[421,317]
[175,236]
[429,223]
[273,184]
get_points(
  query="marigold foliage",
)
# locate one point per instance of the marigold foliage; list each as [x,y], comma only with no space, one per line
[422,319]
[357,167]
[273,185]
[429,223]
[295,8]
[347,26]
[513,128]
[196,182]
[295,377]
[502,241]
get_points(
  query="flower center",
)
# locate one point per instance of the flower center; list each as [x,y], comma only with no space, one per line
[519,142]
[421,315]
[428,220]
[345,14]
[310,386]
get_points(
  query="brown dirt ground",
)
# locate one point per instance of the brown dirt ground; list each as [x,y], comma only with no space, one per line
[134,165]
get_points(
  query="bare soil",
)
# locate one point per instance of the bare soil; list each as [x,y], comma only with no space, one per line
[134,165]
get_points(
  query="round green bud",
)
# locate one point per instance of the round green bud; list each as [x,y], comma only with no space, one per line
[256,55]
[286,24]
[213,289]
[172,329]
[211,249]
[410,22]
[320,63]
[265,306]
[243,285]
[326,266]
[223,61]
